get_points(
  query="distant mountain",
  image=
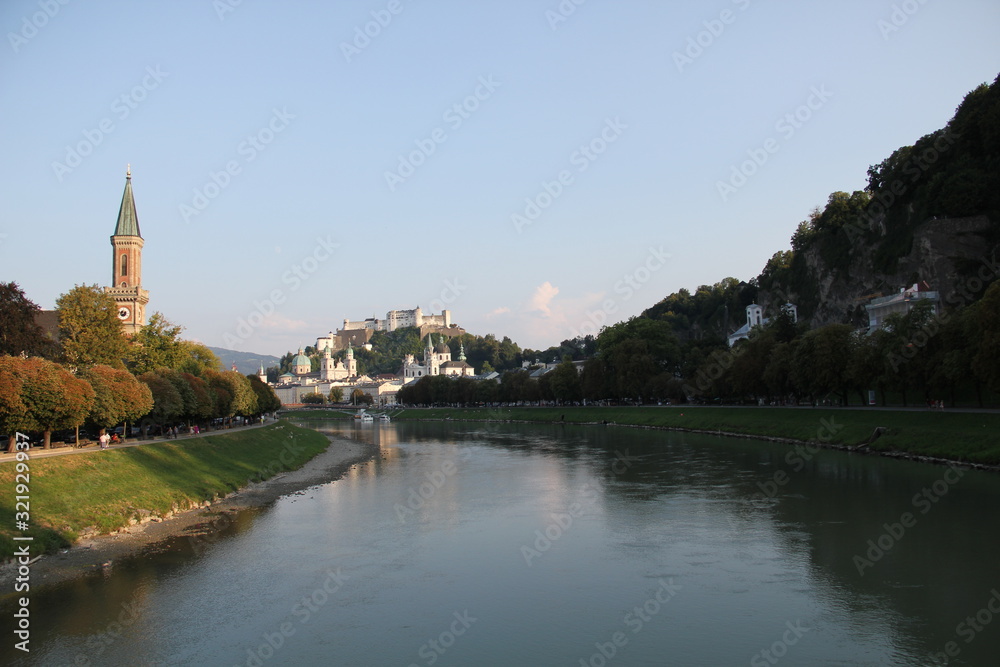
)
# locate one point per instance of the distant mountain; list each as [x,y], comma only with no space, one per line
[246,362]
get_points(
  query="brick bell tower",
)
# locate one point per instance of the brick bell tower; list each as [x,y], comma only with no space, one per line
[126,264]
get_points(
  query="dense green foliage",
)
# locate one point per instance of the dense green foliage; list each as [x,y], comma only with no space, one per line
[953,172]
[19,333]
[89,329]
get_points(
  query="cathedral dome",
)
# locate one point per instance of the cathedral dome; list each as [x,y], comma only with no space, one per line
[301,363]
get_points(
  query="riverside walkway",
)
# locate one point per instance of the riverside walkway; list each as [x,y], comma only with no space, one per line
[36,453]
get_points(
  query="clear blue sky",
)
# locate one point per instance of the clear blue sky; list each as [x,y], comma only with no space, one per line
[309,130]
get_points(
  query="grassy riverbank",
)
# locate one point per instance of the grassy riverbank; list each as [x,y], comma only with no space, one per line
[961,436]
[101,492]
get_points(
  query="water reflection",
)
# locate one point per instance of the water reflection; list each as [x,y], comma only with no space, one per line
[552,537]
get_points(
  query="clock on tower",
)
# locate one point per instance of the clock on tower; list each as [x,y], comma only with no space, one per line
[126,264]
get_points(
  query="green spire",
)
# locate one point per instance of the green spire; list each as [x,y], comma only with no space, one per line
[128,221]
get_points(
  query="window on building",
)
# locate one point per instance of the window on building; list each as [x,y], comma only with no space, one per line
[124,265]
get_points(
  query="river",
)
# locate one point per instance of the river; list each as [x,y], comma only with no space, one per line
[506,544]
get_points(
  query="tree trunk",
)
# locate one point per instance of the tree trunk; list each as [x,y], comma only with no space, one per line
[47,439]
[12,444]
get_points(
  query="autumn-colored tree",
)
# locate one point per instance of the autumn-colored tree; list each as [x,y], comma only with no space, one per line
[267,400]
[336,394]
[233,393]
[204,398]
[52,397]
[13,411]
[222,394]
[89,328]
[119,396]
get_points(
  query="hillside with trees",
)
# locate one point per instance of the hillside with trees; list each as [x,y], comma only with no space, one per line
[929,214]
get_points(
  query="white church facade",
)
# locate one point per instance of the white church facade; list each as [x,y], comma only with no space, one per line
[437,361]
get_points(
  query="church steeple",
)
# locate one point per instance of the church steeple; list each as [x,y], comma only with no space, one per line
[128,221]
[126,263]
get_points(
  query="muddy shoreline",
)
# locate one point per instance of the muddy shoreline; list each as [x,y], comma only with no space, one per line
[98,553]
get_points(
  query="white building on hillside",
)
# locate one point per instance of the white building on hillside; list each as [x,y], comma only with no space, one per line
[755,318]
[903,302]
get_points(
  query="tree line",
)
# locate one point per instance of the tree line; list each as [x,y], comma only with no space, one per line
[917,356]
[95,376]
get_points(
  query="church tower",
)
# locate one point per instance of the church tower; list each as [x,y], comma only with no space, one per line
[126,264]
[349,361]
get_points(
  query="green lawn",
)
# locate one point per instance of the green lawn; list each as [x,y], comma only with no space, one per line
[971,437]
[105,490]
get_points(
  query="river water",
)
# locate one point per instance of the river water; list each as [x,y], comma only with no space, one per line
[483,544]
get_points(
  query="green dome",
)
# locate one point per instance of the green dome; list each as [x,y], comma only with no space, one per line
[301,360]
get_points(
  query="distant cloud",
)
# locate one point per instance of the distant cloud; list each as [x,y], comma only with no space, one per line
[542,298]
[496,312]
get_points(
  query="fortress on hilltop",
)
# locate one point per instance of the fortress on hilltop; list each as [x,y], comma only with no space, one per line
[359,332]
